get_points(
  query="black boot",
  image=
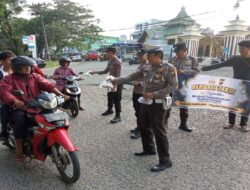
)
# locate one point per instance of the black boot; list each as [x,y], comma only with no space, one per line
[134,130]
[185,128]
[162,166]
[108,112]
[136,135]
[184,117]
[116,119]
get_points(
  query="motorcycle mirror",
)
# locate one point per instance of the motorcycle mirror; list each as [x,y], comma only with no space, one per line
[17,92]
[80,73]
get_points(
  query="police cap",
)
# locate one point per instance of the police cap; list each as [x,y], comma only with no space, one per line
[180,46]
[111,49]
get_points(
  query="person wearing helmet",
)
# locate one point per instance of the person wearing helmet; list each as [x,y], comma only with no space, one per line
[63,71]
[31,84]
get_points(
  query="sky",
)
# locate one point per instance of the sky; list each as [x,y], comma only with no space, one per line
[124,14]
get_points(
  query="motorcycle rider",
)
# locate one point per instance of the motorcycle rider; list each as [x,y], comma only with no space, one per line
[31,84]
[63,71]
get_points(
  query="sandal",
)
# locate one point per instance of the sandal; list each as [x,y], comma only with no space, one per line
[244,128]
[228,126]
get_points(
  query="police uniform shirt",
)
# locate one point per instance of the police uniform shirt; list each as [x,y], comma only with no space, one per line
[158,79]
[189,65]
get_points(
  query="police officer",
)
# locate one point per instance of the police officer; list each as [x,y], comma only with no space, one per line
[159,80]
[186,67]
[114,68]
[138,93]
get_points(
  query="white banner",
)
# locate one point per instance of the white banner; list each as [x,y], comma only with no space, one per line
[219,93]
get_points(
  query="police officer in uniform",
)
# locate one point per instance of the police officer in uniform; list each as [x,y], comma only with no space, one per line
[159,80]
[114,68]
[186,66]
[138,93]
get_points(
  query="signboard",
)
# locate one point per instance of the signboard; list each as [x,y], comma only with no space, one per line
[31,42]
[226,50]
[218,93]
[25,40]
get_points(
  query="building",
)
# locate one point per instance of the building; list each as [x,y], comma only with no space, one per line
[200,42]
[104,41]
[235,32]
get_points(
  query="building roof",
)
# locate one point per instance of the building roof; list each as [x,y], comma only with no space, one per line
[179,24]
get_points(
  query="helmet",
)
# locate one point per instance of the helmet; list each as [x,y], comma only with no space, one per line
[20,61]
[64,59]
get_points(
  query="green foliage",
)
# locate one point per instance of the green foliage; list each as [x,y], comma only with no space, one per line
[66,24]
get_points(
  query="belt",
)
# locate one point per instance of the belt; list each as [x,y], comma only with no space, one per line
[158,101]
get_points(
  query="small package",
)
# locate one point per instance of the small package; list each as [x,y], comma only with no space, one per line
[88,74]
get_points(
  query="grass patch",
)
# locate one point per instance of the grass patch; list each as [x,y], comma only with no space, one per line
[51,64]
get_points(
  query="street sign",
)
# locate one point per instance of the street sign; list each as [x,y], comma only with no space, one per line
[25,39]
[30,41]
[226,50]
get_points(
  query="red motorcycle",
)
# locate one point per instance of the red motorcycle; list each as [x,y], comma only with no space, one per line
[47,135]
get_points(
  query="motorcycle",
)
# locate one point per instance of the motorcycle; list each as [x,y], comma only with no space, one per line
[72,89]
[47,135]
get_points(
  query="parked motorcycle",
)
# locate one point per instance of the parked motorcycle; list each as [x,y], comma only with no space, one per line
[72,89]
[47,135]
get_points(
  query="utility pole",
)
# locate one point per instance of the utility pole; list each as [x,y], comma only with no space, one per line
[45,38]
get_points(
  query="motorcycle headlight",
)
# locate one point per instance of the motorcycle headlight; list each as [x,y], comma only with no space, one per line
[48,105]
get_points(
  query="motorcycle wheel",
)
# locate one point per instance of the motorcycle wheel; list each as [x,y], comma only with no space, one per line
[65,161]
[74,108]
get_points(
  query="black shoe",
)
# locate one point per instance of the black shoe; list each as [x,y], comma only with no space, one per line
[144,153]
[136,135]
[134,130]
[3,136]
[161,167]
[185,128]
[116,120]
[108,112]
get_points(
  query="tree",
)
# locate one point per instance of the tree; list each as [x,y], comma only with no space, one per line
[8,10]
[66,24]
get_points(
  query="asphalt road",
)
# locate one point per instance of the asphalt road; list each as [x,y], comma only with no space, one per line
[209,158]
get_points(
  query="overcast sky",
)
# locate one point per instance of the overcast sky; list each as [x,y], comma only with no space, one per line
[119,14]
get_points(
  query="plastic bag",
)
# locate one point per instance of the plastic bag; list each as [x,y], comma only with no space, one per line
[106,84]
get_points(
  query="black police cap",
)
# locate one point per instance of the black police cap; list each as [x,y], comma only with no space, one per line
[180,46]
[111,49]
[141,52]
[244,43]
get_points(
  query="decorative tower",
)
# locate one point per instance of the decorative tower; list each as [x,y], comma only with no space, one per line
[183,28]
[235,32]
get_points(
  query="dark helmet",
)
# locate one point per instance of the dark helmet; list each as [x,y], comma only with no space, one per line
[20,61]
[64,59]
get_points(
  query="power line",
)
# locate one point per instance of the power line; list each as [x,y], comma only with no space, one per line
[174,19]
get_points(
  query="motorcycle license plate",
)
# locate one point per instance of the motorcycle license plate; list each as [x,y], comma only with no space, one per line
[56,116]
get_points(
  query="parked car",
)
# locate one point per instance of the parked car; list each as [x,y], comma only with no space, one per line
[75,56]
[91,55]
[40,62]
